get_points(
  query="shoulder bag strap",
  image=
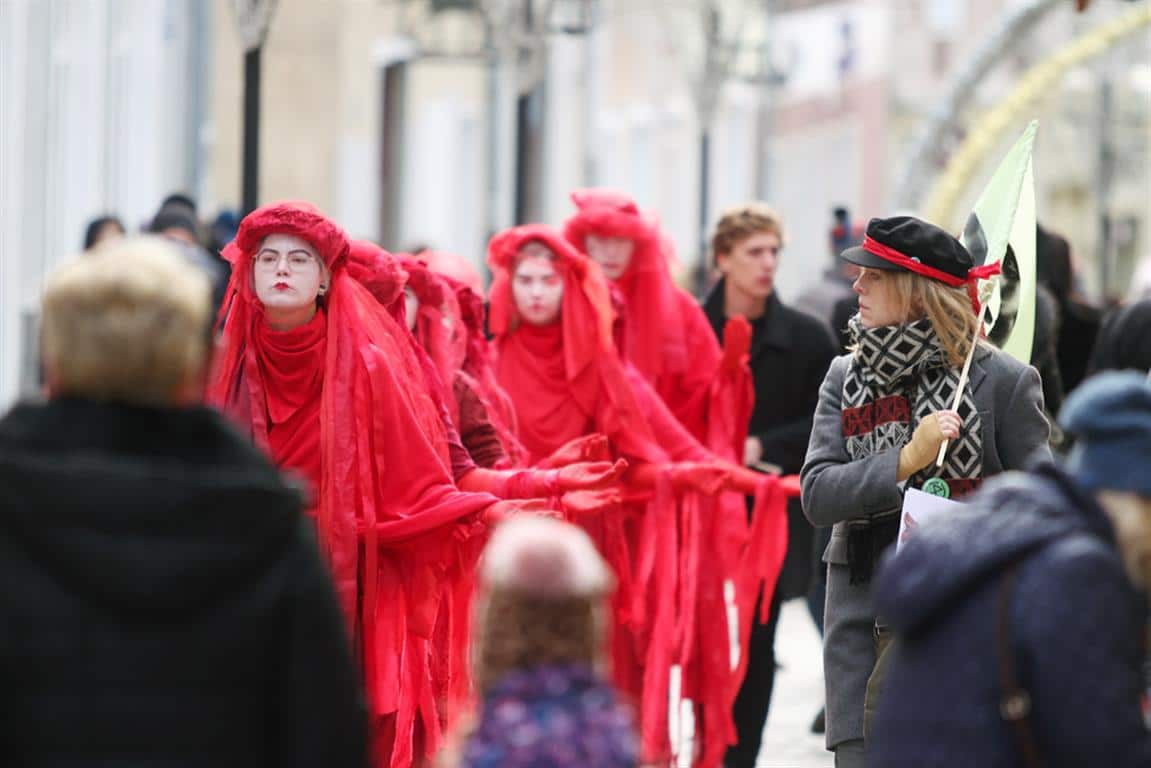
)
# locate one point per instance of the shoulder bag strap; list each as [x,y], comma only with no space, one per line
[1015,706]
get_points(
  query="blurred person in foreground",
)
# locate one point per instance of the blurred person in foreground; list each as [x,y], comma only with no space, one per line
[1019,620]
[540,663]
[163,602]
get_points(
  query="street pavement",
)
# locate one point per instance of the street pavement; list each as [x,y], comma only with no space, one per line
[788,741]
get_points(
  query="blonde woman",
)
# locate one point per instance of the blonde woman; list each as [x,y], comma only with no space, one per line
[884,410]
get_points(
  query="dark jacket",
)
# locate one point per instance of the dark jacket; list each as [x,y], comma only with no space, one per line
[1075,624]
[790,354]
[163,601]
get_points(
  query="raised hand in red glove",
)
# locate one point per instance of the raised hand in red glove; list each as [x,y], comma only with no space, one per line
[736,343]
[537,483]
[576,503]
[592,447]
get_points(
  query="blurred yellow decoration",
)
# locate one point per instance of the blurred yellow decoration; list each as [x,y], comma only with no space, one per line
[986,130]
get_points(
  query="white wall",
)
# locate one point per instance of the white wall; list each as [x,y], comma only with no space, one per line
[96,119]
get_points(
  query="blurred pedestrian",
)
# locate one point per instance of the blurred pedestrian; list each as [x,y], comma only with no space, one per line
[1019,621]
[540,664]
[101,229]
[163,601]
[885,409]
[176,220]
[790,353]
[1078,321]
[821,297]
[1124,340]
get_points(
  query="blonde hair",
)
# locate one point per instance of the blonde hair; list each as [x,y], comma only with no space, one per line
[129,321]
[949,310]
[738,224]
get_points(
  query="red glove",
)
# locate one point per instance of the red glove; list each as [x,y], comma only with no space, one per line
[578,503]
[789,484]
[592,447]
[745,480]
[736,343]
[502,510]
[590,475]
[708,478]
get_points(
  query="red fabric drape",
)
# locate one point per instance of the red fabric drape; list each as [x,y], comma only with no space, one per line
[384,486]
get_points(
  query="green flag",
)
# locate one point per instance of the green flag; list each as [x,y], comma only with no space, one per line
[1001,229]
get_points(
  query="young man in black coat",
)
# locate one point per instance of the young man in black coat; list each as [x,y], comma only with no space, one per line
[790,354]
[163,602]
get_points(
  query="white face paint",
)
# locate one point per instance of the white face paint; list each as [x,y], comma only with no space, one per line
[613,254]
[287,274]
[537,290]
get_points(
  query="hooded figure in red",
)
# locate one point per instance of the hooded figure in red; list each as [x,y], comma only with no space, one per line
[552,318]
[667,338]
[324,379]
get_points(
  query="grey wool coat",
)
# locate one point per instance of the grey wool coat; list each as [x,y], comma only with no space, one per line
[1009,397]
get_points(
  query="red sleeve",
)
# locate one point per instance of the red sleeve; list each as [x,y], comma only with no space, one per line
[672,436]
[685,384]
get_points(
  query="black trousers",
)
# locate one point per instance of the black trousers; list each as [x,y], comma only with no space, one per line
[754,698]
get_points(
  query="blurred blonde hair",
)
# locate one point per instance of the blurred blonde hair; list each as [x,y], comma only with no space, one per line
[738,224]
[129,321]
[543,603]
[949,310]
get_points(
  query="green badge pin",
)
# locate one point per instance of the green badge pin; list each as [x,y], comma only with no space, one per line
[937,486]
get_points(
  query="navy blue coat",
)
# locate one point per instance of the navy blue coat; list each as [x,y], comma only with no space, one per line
[1076,624]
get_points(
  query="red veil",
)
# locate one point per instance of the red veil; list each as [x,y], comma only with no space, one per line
[382,474]
[667,337]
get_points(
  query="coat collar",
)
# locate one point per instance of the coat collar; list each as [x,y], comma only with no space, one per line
[978,371]
[776,323]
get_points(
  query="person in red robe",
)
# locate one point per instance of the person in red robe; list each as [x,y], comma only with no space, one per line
[551,314]
[667,338]
[323,378]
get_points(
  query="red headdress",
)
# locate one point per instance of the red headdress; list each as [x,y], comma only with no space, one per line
[454,266]
[566,377]
[381,476]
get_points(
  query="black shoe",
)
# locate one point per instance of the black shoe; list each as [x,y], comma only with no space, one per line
[819,724]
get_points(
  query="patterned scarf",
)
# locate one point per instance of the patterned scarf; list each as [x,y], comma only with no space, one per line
[899,374]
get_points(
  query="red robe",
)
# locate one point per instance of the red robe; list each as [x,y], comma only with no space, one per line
[341,401]
[567,380]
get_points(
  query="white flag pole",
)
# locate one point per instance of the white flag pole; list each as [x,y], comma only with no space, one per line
[985,293]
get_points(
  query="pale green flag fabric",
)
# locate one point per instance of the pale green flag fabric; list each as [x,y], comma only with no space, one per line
[1001,229]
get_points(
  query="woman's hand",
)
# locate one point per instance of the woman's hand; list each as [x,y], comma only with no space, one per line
[925,441]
